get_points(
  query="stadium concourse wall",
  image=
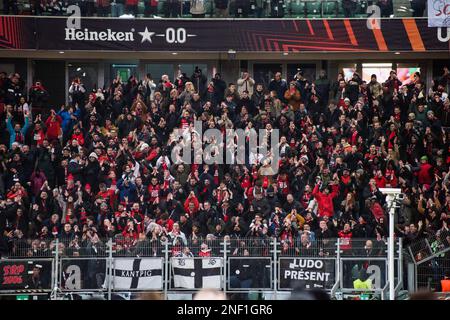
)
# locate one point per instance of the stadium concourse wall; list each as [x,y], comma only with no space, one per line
[247,266]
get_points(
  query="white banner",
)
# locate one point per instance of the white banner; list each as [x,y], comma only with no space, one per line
[140,273]
[438,13]
[196,273]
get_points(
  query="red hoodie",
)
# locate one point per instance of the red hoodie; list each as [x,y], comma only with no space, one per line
[325,201]
[53,127]
[423,175]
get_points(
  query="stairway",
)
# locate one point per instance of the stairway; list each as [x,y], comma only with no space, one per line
[402,8]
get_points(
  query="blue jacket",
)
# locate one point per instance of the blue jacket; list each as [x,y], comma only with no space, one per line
[67,122]
[12,132]
[125,191]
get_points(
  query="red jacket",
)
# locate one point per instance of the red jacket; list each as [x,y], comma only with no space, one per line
[283,185]
[325,201]
[204,254]
[131,236]
[345,240]
[380,181]
[153,191]
[306,198]
[377,211]
[53,128]
[168,224]
[186,205]
[78,137]
[424,175]
[109,193]
[391,179]
[39,137]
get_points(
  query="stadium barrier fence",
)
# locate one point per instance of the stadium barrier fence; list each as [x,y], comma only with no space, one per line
[242,267]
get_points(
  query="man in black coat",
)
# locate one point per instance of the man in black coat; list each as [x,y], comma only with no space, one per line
[261,205]
[200,82]
[75,169]
[219,87]
[322,86]
[279,86]
[91,172]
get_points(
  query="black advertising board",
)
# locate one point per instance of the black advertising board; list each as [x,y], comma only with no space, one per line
[16,275]
[83,274]
[221,35]
[365,268]
[307,273]
[250,273]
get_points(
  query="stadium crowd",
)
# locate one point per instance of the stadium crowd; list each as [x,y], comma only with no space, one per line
[213,8]
[101,166]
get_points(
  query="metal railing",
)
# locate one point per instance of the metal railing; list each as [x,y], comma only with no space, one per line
[235,266]
[430,255]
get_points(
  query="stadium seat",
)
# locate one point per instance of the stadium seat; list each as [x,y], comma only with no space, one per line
[160,8]
[186,9]
[209,8]
[361,9]
[330,9]
[231,8]
[297,9]
[340,9]
[141,8]
[314,9]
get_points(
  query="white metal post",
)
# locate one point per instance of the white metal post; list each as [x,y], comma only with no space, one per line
[400,262]
[225,271]
[166,268]
[275,268]
[390,199]
[338,263]
[391,249]
[110,266]
[55,284]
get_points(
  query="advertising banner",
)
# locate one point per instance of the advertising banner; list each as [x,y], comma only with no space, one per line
[83,274]
[371,273]
[138,274]
[250,273]
[33,275]
[307,273]
[197,273]
[439,13]
[243,35]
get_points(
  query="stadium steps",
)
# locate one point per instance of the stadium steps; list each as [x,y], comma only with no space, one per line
[402,8]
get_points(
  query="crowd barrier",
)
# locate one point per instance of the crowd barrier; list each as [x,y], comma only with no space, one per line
[235,266]
[429,261]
